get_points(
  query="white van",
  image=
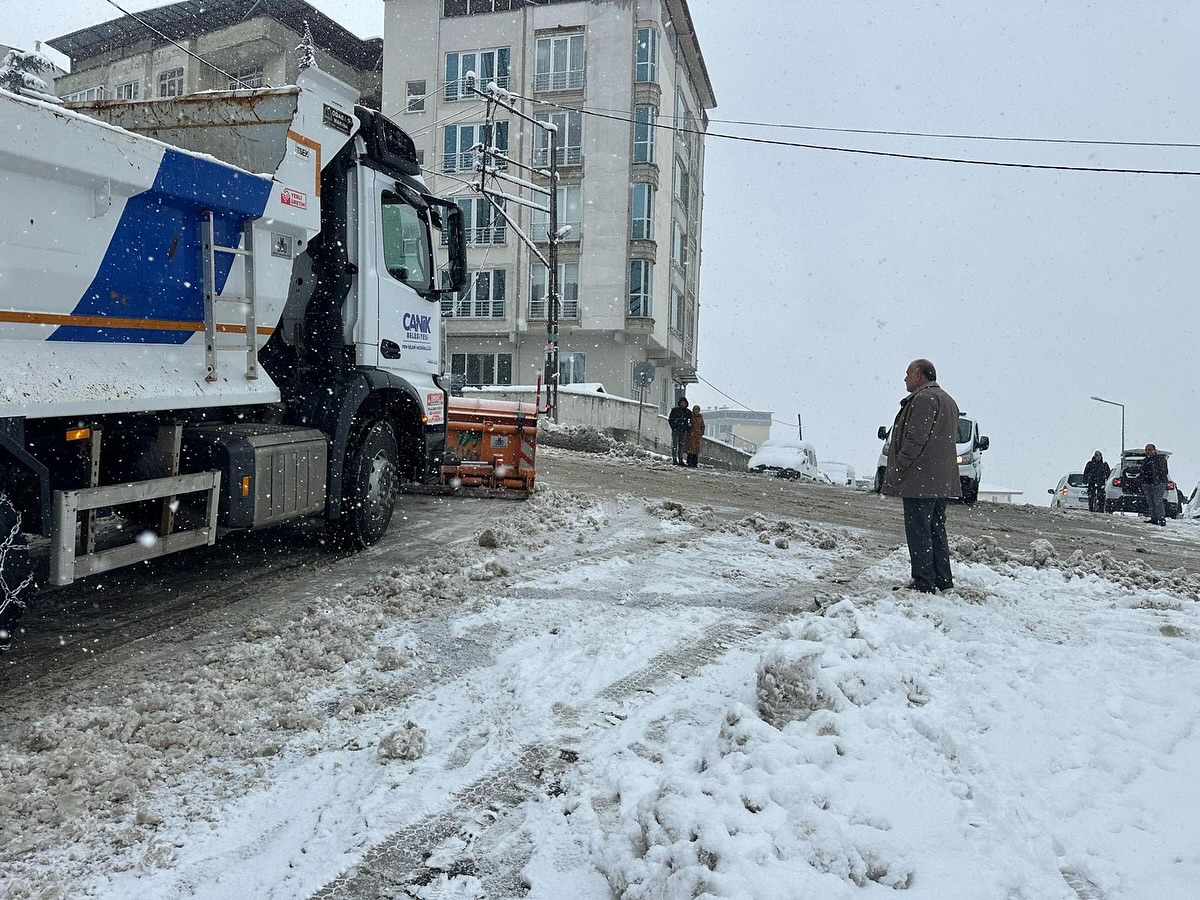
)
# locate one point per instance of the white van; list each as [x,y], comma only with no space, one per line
[969,447]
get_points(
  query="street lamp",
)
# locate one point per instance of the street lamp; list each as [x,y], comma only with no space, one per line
[1122,405]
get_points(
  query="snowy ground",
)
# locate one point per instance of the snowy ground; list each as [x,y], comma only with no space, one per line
[633,697]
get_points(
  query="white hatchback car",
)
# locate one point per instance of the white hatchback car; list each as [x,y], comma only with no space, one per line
[1071,493]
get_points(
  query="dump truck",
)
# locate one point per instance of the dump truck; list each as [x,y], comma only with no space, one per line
[218,312]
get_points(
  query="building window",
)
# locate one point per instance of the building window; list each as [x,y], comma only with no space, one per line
[170,83]
[572,368]
[641,281]
[559,63]
[479,369]
[84,96]
[414,96]
[645,121]
[678,246]
[646,68]
[570,138]
[675,313]
[482,296]
[482,222]
[488,66]
[247,77]
[641,224]
[681,184]
[459,142]
[569,210]
[694,267]
[452,8]
[130,90]
[568,291]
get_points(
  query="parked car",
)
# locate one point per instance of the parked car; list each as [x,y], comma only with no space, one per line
[969,447]
[837,472]
[1123,492]
[787,459]
[1071,493]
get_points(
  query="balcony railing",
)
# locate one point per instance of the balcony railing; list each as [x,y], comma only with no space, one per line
[565,156]
[568,309]
[559,81]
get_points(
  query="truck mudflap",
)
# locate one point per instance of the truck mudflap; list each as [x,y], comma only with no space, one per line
[490,445]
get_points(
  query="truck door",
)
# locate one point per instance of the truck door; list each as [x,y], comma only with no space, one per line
[399,326]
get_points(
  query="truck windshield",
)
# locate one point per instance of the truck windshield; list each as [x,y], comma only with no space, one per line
[405,242]
[965,430]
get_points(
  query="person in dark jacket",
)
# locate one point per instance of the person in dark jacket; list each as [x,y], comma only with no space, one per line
[1096,473]
[680,421]
[1154,480]
[922,469]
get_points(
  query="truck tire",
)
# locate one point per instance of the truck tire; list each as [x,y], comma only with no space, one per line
[369,488]
[16,573]
[879,473]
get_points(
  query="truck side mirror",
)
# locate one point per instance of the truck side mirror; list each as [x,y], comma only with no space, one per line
[1050,490]
[982,443]
[883,432]
[456,238]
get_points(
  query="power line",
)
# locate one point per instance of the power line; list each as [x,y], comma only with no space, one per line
[880,153]
[743,405]
[962,137]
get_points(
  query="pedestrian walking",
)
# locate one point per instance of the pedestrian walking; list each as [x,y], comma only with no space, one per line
[1096,473]
[691,447]
[922,469]
[680,421]
[1154,480]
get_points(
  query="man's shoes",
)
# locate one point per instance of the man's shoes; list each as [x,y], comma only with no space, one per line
[913,585]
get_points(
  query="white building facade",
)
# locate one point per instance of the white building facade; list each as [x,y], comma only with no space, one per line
[626,86]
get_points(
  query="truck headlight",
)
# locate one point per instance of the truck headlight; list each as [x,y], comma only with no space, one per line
[965,459]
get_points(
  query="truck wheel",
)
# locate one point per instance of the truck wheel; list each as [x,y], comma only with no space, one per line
[16,574]
[369,487]
[879,473]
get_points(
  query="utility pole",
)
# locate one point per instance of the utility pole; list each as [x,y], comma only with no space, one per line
[491,167]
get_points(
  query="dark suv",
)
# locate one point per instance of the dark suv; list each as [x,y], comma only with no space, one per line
[1123,493]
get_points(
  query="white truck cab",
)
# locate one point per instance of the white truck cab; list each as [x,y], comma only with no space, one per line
[968,447]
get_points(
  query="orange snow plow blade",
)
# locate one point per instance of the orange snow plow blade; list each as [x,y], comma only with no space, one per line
[490,444]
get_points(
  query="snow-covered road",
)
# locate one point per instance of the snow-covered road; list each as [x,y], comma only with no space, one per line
[602,694]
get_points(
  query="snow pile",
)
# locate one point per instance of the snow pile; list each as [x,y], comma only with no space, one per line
[1134,574]
[580,438]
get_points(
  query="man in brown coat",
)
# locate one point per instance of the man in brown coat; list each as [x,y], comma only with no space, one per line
[922,469]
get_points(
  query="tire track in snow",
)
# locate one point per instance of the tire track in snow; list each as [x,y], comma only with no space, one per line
[399,862]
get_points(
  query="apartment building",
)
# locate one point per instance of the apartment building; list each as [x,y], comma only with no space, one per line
[625,84]
[200,45]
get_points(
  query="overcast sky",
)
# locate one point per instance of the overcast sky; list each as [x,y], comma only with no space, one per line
[1031,289]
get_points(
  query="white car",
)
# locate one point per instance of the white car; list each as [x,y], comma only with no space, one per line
[787,459]
[1071,493]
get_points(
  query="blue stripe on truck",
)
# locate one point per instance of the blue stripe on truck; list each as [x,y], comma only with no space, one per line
[152,268]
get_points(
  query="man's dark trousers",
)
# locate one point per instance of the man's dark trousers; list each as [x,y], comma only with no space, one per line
[925,528]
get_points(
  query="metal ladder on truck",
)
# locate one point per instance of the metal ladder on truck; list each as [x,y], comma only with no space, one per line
[209,249]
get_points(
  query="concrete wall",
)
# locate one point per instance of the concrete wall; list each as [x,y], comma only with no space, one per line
[618,418]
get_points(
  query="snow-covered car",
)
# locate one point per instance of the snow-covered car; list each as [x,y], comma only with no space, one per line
[1071,493]
[1123,492]
[837,472]
[787,459]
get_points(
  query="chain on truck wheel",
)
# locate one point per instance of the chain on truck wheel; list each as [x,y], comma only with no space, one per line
[369,490]
[16,574]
